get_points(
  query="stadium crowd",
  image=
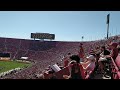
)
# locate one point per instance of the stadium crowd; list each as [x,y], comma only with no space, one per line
[54,52]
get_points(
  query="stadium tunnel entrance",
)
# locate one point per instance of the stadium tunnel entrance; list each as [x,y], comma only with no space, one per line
[4,56]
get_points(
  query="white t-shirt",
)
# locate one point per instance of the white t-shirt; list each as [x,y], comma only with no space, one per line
[91,66]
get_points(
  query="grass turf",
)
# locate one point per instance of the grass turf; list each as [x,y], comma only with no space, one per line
[8,65]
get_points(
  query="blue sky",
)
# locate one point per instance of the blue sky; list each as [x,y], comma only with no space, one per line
[66,25]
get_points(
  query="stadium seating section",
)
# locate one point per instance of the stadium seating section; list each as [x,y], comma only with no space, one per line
[45,53]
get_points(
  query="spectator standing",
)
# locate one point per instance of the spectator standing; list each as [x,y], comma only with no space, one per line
[81,52]
[114,50]
[67,59]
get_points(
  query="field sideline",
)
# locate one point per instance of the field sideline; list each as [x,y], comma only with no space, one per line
[8,65]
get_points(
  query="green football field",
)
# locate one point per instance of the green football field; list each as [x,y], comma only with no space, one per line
[8,65]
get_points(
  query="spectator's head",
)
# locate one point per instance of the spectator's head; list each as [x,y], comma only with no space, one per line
[57,64]
[103,48]
[119,50]
[69,53]
[91,58]
[75,57]
[51,73]
[97,47]
[92,52]
[80,45]
[118,47]
[97,55]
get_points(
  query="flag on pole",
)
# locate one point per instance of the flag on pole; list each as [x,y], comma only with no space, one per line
[108,17]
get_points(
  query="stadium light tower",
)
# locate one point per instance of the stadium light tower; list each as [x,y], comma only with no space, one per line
[108,16]
[82,38]
[116,31]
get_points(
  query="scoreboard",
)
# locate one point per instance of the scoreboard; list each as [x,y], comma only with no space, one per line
[42,36]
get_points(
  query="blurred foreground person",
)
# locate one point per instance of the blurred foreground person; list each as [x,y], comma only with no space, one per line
[90,63]
[103,58]
[74,68]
